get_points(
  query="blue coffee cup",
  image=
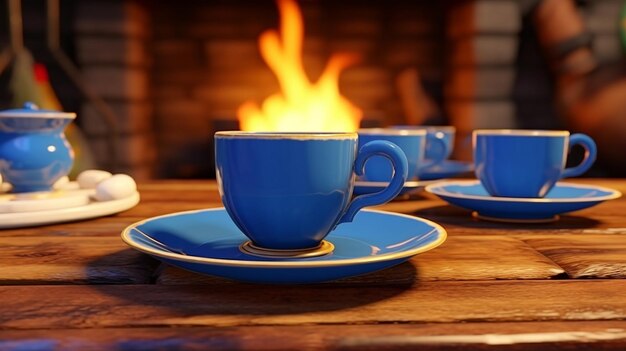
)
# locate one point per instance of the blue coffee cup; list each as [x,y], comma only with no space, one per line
[439,150]
[287,191]
[435,150]
[526,163]
[412,141]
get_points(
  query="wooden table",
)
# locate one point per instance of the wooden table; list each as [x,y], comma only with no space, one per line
[77,286]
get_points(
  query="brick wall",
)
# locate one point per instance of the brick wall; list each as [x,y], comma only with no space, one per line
[112,48]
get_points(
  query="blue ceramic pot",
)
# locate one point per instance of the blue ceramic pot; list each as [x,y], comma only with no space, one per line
[34,152]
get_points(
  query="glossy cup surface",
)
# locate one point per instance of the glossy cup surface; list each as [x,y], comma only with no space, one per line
[289,190]
[520,163]
[435,150]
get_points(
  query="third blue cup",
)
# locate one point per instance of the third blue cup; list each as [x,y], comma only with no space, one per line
[527,163]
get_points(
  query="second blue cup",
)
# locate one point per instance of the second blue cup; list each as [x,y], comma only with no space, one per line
[412,141]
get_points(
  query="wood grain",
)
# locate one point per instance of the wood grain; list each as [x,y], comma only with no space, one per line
[459,258]
[600,335]
[190,192]
[460,222]
[484,258]
[103,226]
[72,260]
[78,306]
[594,256]
[491,286]
[159,208]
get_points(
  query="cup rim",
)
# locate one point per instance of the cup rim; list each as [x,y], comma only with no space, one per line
[521,132]
[430,128]
[391,131]
[240,134]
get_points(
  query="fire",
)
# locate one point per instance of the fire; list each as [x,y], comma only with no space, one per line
[302,105]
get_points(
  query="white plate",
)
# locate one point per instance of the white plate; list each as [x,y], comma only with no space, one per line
[91,210]
[44,201]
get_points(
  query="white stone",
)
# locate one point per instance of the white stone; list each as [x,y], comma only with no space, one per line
[90,178]
[117,187]
[61,183]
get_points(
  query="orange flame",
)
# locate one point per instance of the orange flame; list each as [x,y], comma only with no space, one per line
[302,105]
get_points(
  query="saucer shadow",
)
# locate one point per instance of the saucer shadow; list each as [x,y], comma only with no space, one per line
[205,295]
[452,215]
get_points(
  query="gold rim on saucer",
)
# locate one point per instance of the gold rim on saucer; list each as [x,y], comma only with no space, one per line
[323,248]
[516,220]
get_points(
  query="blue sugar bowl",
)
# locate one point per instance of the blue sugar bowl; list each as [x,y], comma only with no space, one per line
[34,152]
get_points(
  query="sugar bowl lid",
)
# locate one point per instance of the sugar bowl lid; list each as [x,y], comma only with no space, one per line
[31,110]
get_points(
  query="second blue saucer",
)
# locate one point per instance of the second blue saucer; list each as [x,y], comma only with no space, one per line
[446,169]
[563,198]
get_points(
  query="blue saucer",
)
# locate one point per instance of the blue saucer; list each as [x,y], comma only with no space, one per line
[208,242]
[410,186]
[446,169]
[563,198]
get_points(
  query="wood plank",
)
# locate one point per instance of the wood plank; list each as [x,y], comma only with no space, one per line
[175,195]
[599,335]
[178,185]
[589,256]
[459,221]
[103,226]
[159,208]
[95,306]
[459,258]
[76,260]
[484,258]
[178,191]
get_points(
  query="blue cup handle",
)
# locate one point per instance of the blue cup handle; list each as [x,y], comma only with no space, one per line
[436,139]
[590,155]
[400,174]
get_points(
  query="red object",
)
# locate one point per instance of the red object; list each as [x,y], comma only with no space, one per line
[41,73]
